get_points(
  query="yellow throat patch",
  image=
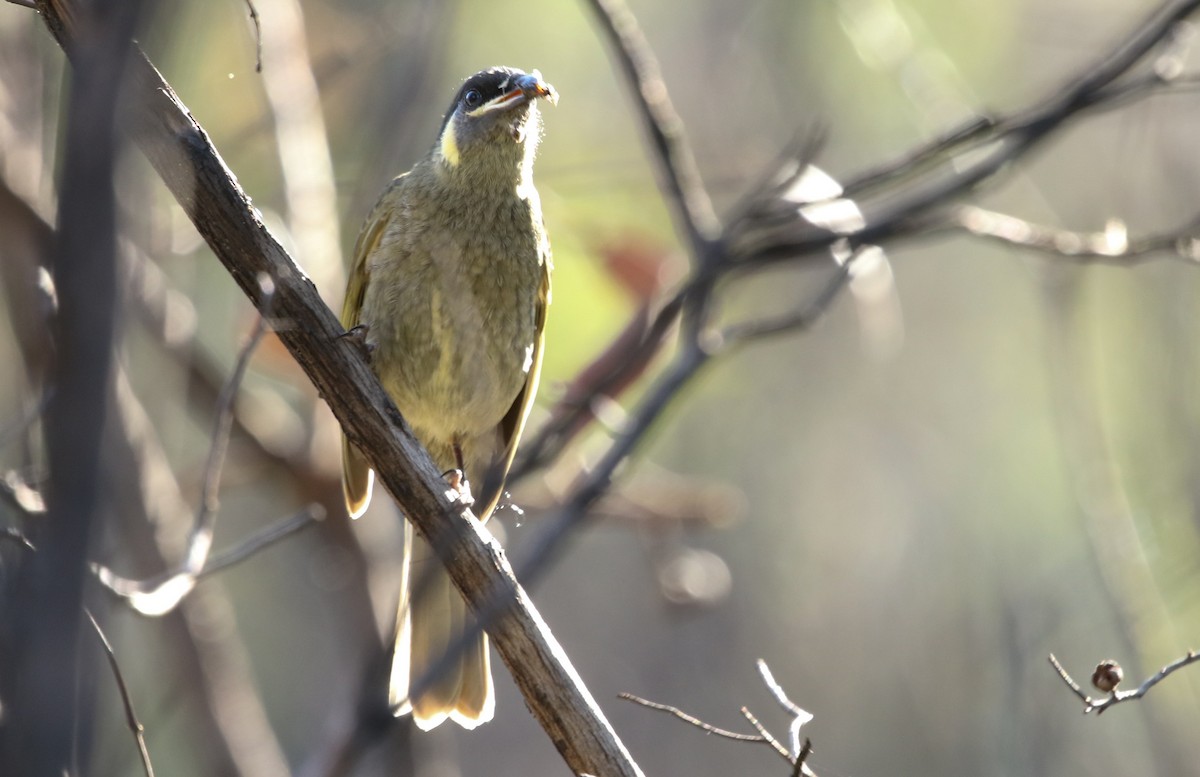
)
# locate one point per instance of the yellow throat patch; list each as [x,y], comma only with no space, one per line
[450,145]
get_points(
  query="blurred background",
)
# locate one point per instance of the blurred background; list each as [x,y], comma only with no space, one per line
[903,516]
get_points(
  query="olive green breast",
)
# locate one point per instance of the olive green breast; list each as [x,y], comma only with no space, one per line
[453,299]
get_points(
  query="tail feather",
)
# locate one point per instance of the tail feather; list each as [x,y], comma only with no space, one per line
[429,623]
[357,479]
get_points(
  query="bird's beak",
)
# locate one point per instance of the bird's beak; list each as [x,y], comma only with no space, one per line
[526,88]
[531,86]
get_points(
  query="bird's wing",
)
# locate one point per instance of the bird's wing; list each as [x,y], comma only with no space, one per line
[513,423]
[357,476]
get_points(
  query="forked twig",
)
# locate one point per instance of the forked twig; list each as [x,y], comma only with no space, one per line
[799,715]
[707,728]
[767,736]
[162,593]
[1116,697]
[796,758]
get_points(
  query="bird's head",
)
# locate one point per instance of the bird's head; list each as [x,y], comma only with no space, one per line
[494,117]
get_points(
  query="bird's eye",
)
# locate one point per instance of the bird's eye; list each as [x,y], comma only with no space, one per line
[472,98]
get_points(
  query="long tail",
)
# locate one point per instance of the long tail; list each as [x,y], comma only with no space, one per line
[429,623]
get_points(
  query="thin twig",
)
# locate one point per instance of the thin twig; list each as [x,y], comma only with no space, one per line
[25,3]
[131,718]
[680,178]
[201,540]
[1066,678]
[1110,246]
[693,356]
[17,538]
[1000,142]
[801,765]
[803,316]
[1116,697]
[799,715]
[607,379]
[163,593]
[231,724]
[767,736]
[795,759]
[258,43]
[260,540]
[707,728]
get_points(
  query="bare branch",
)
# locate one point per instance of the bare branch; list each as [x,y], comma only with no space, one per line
[258,37]
[232,725]
[707,728]
[1066,678]
[995,141]
[302,144]
[796,758]
[131,718]
[799,715]
[767,736]
[262,539]
[680,179]
[800,766]
[162,593]
[1116,697]
[624,361]
[16,538]
[219,438]
[1112,246]
[801,317]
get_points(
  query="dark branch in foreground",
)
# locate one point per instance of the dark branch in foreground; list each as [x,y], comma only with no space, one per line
[45,678]
[1114,696]
[131,718]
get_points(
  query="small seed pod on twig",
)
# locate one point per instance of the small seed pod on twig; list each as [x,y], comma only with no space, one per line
[1108,676]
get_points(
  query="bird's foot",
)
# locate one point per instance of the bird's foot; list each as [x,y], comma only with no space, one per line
[458,481]
[358,336]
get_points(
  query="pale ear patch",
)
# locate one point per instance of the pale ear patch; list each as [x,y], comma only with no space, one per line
[449,147]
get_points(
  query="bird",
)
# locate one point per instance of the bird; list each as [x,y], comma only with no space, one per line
[448,293]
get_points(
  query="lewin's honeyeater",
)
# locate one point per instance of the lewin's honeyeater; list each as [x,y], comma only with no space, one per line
[450,284]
